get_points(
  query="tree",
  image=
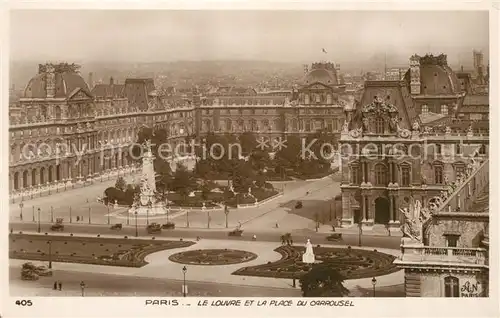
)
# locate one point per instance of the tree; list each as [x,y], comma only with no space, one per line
[248,143]
[243,177]
[323,281]
[205,191]
[121,184]
[183,182]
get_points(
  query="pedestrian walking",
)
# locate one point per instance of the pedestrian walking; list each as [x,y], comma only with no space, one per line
[11,230]
[254,237]
[60,285]
[77,218]
[55,285]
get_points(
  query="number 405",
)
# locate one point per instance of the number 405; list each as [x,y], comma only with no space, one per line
[24,302]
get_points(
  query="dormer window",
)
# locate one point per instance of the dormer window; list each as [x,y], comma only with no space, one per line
[425,109]
[444,110]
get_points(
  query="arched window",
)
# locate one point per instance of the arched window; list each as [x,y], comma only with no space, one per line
[438,174]
[482,150]
[425,109]
[379,125]
[380,174]
[451,287]
[444,109]
[228,125]
[57,112]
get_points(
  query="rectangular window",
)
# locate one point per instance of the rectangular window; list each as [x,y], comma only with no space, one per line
[451,287]
[438,174]
[330,126]
[405,176]
[451,240]
[355,175]
[308,125]
[459,170]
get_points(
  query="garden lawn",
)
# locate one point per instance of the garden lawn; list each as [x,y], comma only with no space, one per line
[87,250]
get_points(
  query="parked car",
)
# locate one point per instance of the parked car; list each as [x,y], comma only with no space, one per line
[334,237]
[117,226]
[58,227]
[236,232]
[168,226]
[153,228]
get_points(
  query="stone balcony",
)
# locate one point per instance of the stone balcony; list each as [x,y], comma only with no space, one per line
[442,255]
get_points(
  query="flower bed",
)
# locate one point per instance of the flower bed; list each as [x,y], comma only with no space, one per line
[88,250]
[352,263]
[213,257]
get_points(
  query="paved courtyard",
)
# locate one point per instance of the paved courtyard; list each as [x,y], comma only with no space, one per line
[83,203]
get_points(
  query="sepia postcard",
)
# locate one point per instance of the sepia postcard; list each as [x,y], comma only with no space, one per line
[234,159]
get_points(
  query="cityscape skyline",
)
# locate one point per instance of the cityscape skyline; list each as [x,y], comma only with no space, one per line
[92,35]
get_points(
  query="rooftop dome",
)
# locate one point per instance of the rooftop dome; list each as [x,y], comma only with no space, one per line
[323,73]
[67,81]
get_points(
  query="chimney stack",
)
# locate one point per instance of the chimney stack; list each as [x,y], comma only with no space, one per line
[91,80]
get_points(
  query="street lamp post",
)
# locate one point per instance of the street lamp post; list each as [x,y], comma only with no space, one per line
[226,212]
[108,212]
[187,218]
[82,286]
[136,230]
[70,218]
[39,230]
[128,217]
[147,213]
[33,210]
[50,253]
[374,282]
[360,232]
[89,209]
[184,287]
[52,214]
[21,205]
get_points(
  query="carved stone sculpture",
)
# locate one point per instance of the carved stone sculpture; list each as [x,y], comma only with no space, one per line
[416,218]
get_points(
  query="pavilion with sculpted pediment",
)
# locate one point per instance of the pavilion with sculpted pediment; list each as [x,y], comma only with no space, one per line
[390,155]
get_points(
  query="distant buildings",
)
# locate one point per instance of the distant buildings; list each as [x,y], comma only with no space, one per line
[61,117]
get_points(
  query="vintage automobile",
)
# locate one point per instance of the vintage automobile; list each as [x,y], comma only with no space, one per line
[30,271]
[168,226]
[334,237]
[58,226]
[117,226]
[29,275]
[298,205]
[236,232]
[153,228]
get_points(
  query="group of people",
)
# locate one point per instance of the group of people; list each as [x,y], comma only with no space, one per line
[57,284]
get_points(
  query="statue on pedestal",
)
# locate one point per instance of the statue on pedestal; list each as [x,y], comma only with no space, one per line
[308,257]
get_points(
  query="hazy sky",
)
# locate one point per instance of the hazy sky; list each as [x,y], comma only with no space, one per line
[293,36]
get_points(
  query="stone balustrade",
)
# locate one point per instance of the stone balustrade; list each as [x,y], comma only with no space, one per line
[476,256]
[462,198]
